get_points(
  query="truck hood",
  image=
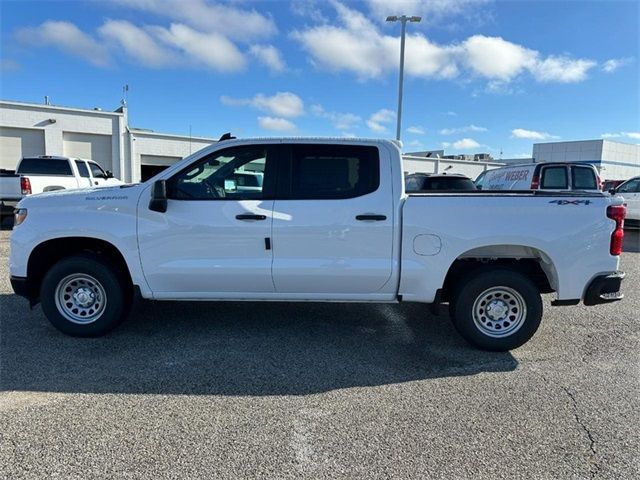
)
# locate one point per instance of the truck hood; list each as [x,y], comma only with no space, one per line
[90,194]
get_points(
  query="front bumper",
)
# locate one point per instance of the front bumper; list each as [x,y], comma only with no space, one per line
[604,289]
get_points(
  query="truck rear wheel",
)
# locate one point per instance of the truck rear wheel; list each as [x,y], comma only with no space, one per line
[83,296]
[497,309]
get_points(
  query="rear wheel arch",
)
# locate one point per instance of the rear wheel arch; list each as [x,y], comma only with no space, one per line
[529,261]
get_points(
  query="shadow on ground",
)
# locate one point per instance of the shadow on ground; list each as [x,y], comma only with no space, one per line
[238,349]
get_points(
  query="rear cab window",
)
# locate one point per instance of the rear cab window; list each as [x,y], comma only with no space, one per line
[318,171]
[554,178]
[45,166]
[583,178]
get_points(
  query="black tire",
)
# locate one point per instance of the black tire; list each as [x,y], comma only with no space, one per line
[114,287]
[495,328]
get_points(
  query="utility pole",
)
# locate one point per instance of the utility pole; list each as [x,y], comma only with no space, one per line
[403,21]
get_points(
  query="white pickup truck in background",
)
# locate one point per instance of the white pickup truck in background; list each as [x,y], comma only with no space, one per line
[329,221]
[48,173]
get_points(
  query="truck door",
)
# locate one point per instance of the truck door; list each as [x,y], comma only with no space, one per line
[214,237]
[333,221]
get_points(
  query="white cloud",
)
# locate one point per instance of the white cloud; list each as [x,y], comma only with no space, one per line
[468,128]
[353,43]
[68,38]
[466,144]
[137,43]
[634,135]
[614,64]
[451,114]
[531,134]
[277,124]
[230,21]
[283,104]
[377,121]
[341,121]
[212,50]
[496,58]
[562,69]
[416,130]
[269,56]
[431,11]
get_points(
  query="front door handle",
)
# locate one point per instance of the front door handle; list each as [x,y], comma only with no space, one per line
[375,218]
[250,216]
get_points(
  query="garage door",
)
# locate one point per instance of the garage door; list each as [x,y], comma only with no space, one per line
[85,145]
[16,143]
[159,160]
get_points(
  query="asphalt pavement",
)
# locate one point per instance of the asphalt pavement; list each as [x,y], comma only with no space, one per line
[312,390]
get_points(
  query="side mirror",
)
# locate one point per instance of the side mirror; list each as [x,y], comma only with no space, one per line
[158,201]
[108,174]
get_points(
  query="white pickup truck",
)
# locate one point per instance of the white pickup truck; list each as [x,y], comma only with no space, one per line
[47,173]
[330,222]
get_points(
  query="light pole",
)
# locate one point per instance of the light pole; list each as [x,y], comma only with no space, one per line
[403,20]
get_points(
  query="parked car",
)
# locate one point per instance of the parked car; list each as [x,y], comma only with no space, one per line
[48,173]
[609,185]
[333,223]
[12,188]
[630,192]
[541,176]
[425,182]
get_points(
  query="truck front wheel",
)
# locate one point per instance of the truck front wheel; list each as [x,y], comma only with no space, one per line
[83,296]
[497,309]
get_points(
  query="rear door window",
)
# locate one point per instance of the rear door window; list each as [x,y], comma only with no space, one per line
[45,166]
[554,178]
[583,178]
[333,171]
[82,169]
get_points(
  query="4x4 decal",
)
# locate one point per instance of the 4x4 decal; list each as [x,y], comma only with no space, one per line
[571,202]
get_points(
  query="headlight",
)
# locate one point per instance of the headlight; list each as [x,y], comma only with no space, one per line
[19,216]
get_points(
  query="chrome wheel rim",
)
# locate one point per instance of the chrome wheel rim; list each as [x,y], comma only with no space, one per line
[499,312]
[80,298]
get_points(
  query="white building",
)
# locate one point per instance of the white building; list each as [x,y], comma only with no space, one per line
[614,160]
[28,129]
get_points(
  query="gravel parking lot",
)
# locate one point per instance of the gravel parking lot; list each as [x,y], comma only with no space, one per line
[234,390]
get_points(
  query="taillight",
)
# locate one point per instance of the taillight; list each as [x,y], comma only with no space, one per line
[25,185]
[535,182]
[617,213]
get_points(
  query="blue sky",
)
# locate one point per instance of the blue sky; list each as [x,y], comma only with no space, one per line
[481,75]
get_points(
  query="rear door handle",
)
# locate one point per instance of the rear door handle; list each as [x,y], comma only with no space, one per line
[375,218]
[250,216]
